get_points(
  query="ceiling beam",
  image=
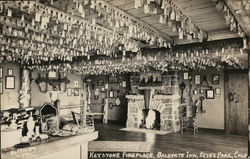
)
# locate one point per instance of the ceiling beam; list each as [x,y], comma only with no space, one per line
[138,21]
[242,16]
[212,37]
[184,11]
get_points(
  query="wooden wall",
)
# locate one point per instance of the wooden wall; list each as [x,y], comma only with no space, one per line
[10,97]
[38,98]
[248,95]
[117,113]
[213,118]
[236,102]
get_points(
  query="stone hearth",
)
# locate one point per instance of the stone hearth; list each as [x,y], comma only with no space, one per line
[167,105]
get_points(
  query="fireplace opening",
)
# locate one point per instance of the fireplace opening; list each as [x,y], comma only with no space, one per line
[150,119]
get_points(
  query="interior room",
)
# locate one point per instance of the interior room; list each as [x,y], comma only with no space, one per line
[124,79]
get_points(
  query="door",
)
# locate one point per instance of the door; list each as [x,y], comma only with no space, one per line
[236,103]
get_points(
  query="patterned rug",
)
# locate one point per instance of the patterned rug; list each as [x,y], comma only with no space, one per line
[157,132]
[119,146]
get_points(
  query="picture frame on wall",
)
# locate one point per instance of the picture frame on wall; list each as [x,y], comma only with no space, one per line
[100,82]
[9,71]
[217,91]
[124,84]
[209,94]
[197,79]
[1,87]
[102,89]
[76,92]
[106,86]
[10,82]
[113,79]
[111,94]
[52,75]
[185,75]
[195,92]
[69,92]
[1,72]
[76,84]
[215,79]
[201,91]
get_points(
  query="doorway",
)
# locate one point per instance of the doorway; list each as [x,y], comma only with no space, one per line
[236,102]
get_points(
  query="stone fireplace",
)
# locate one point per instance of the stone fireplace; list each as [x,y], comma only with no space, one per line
[163,99]
[166,105]
[150,119]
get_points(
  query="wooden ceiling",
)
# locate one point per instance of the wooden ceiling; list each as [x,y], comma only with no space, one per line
[202,13]
[118,33]
[239,11]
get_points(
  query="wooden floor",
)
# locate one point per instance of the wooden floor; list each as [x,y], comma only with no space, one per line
[205,141]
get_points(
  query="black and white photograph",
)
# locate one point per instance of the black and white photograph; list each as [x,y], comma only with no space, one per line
[210,94]
[9,82]
[125,79]
[69,92]
[217,91]
[9,71]
[215,79]
[185,76]
[197,79]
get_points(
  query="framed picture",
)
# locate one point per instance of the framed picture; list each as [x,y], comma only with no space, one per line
[185,75]
[197,79]
[113,79]
[52,75]
[106,86]
[215,79]
[1,87]
[124,84]
[217,91]
[69,92]
[76,83]
[195,92]
[210,94]
[201,91]
[10,82]
[102,89]
[1,72]
[100,82]
[75,92]
[111,94]
[9,71]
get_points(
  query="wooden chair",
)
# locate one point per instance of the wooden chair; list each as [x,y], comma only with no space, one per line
[89,119]
[189,122]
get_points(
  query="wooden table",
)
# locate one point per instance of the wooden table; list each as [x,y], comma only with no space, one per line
[75,147]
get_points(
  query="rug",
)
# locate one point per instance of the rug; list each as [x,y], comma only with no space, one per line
[119,146]
[157,132]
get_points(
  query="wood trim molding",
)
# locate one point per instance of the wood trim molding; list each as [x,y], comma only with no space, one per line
[236,71]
